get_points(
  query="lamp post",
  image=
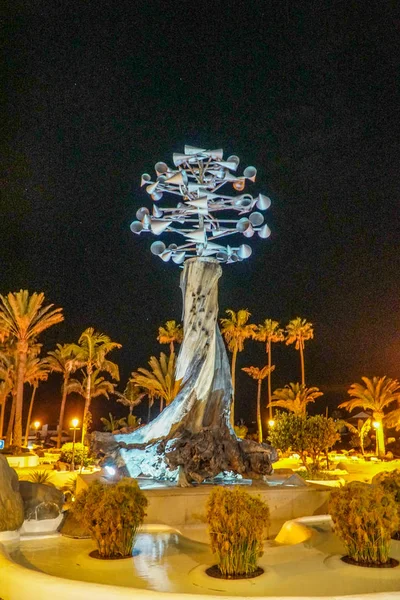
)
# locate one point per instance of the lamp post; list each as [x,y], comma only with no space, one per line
[74,428]
[36,425]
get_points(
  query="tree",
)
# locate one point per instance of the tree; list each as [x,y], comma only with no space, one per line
[374,396]
[131,397]
[112,424]
[298,331]
[91,350]
[24,318]
[360,432]
[63,360]
[160,382]
[295,397]
[98,387]
[37,370]
[259,375]
[310,437]
[269,332]
[170,334]
[236,330]
[7,378]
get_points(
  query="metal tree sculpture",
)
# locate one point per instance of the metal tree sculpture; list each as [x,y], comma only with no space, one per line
[193,435]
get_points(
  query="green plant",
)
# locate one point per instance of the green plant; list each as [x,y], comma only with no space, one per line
[310,437]
[41,477]
[390,481]
[66,454]
[236,522]
[112,513]
[112,424]
[241,430]
[364,517]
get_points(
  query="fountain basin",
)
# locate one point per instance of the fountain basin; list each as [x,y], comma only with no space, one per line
[304,561]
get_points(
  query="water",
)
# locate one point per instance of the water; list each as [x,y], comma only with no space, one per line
[168,562]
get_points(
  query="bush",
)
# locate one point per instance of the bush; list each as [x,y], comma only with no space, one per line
[41,477]
[66,454]
[364,517]
[310,437]
[390,481]
[112,513]
[236,522]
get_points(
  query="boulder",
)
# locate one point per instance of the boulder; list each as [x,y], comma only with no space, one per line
[11,505]
[41,501]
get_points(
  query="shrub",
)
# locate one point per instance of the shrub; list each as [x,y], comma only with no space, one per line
[236,522]
[66,454]
[310,437]
[112,513]
[40,477]
[364,517]
[390,481]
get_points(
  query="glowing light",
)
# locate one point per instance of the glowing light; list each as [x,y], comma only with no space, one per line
[271,423]
[36,425]
[110,470]
[376,425]
[75,422]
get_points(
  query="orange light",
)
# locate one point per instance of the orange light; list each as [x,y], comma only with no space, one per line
[75,422]
[36,425]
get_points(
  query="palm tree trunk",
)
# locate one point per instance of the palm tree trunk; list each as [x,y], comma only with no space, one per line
[161,404]
[19,400]
[380,439]
[269,378]
[259,423]
[149,411]
[2,413]
[171,347]
[303,378]
[62,409]
[28,422]
[10,423]
[233,371]
[87,403]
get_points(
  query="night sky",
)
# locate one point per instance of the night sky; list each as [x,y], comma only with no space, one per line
[306,91]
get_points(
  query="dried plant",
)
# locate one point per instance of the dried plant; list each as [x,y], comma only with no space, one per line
[364,518]
[236,522]
[112,513]
[390,481]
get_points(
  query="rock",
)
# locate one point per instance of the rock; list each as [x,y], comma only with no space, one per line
[41,501]
[71,527]
[11,505]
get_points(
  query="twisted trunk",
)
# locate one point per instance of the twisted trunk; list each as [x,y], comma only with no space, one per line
[62,409]
[193,435]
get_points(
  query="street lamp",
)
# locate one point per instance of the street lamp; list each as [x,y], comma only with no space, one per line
[74,428]
[271,422]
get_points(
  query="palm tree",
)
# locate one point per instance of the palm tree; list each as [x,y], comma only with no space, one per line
[259,375]
[37,370]
[169,334]
[269,332]
[7,378]
[98,387]
[375,395]
[24,317]
[298,331]
[236,330]
[295,397]
[131,397]
[91,350]
[160,382]
[112,424]
[361,431]
[63,360]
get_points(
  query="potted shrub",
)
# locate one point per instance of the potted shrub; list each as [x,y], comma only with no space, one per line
[76,450]
[236,522]
[112,513]
[364,517]
[390,481]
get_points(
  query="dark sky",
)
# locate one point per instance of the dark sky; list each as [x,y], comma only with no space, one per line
[307,91]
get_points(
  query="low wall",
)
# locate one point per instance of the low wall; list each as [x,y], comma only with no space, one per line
[31,460]
[180,507]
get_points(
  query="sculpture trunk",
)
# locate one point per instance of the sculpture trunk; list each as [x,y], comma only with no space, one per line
[194,431]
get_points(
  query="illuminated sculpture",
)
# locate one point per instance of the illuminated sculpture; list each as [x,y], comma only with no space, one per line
[193,437]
